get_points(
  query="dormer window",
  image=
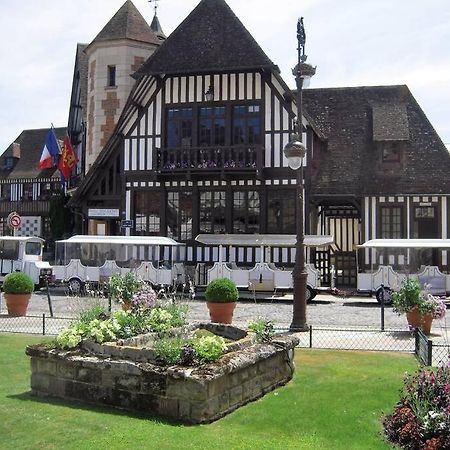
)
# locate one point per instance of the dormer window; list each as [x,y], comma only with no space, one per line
[111,76]
[9,163]
[391,152]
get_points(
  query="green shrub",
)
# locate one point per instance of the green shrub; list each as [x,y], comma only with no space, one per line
[221,290]
[122,287]
[18,283]
[208,348]
[168,349]
[264,329]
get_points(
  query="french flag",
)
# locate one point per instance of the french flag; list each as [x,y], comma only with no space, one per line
[50,151]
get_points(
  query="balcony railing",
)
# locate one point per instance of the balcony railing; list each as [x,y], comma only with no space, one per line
[199,160]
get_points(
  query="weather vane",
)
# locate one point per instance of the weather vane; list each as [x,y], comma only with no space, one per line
[156,4]
[301,37]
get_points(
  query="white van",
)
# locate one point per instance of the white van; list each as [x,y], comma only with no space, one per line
[24,254]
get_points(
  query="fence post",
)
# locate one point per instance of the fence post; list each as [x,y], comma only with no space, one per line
[43,324]
[310,336]
[429,352]
[382,307]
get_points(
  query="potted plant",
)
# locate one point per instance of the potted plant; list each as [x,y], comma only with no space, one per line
[17,289]
[121,288]
[221,296]
[419,306]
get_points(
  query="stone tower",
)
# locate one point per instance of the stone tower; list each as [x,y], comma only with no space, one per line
[117,51]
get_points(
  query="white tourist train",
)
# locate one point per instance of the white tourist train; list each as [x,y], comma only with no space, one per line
[264,275]
[384,263]
[24,254]
[85,259]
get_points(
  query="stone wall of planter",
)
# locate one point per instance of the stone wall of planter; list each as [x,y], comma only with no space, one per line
[125,377]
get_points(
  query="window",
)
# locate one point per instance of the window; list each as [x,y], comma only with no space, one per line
[391,218]
[6,192]
[179,215]
[281,212]
[246,125]
[111,76]
[9,162]
[246,210]
[33,248]
[27,191]
[179,127]
[391,151]
[147,208]
[212,126]
[212,212]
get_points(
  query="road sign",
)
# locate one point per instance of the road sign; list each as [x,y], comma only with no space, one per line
[126,224]
[14,220]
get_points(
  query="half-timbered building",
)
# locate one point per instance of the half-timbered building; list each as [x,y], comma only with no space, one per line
[199,147]
[26,189]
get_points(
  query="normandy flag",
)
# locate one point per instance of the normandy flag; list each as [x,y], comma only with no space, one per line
[50,152]
[67,159]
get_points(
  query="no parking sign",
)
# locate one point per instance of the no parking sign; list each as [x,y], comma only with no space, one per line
[14,220]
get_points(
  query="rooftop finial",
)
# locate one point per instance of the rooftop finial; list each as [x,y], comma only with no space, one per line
[156,4]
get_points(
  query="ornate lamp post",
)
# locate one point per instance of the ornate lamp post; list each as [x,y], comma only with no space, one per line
[295,152]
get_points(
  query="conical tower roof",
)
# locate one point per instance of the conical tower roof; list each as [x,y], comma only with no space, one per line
[156,27]
[127,23]
[210,39]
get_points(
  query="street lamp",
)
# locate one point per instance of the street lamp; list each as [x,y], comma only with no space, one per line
[295,152]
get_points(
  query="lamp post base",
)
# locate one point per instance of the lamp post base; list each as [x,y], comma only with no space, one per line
[294,328]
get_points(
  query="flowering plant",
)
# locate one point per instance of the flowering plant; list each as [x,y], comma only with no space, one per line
[143,299]
[421,419]
[123,287]
[412,295]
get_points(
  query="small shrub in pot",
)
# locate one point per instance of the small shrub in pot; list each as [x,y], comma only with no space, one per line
[221,290]
[18,283]
[221,296]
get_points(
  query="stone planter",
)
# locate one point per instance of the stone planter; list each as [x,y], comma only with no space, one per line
[17,304]
[221,312]
[417,320]
[126,375]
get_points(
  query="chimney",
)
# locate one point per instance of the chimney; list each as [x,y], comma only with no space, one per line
[16,150]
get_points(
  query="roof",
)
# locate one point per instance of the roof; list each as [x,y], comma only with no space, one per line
[127,23]
[406,243]
[82,61]
[210,39]
[22,238]
[31,144]
[156,27]
[266,240]
[356,123]
[120,240]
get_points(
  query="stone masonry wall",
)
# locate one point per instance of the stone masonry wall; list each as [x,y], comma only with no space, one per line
[188,394]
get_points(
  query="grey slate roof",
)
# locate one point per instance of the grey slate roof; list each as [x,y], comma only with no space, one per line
[127,23]
[210,39]
[31,144]
[350,163]
[83,68]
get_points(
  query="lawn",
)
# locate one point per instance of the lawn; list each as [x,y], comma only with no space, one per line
[334,402]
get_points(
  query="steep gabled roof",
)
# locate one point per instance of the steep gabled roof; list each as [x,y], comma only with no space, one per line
[31,144]
[352,121]
[210,39]
[127,23]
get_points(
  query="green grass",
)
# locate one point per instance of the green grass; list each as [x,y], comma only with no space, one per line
[334,402]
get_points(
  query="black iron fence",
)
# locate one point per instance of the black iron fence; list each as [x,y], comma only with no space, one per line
[430,353]
[427,352]
[40,324]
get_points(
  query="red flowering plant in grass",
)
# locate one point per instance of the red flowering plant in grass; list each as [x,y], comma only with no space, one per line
[421,419]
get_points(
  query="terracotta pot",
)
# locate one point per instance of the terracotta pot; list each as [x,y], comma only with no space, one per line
[418,320]
[126,306]
[17,304]
[221,312]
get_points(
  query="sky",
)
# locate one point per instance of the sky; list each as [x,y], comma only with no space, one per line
[352,43]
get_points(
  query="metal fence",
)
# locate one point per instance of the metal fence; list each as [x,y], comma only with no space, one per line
[426,351]
[39,324]
[430,353]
